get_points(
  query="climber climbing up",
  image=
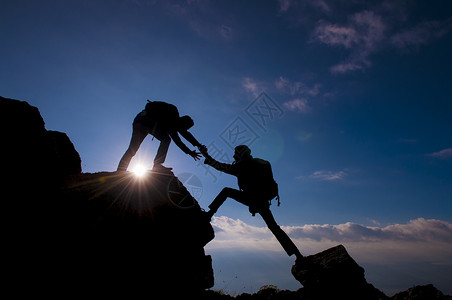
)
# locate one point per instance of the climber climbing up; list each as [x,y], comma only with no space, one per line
[257,189]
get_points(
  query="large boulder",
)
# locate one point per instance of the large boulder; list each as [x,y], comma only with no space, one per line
[147,233]
[334,274]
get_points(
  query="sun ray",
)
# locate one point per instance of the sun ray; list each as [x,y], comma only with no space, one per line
[139,170]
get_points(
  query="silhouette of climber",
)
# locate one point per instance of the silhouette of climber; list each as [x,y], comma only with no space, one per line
[257,189]
[161,120]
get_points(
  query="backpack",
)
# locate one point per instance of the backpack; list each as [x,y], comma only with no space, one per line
[148,106]
[161,110]
[265,177]
[151,109]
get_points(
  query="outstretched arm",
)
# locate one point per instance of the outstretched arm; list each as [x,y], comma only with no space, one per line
[222,167]
[175,137]
[189,137]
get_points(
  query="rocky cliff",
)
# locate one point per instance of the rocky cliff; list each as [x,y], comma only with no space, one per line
[71,233]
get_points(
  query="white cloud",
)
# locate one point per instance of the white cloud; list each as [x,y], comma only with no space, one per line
[252,86]
[352,65]
[230,233]
[225,32]
[321,4]
[370,31]
[361,36]
[284,84]
[328,175]
[420,240]
[285,5]
[443,154]
[297,105]
[302,92]
[336,35]
[202,17]
[419,230]
[422,33]
[297,87]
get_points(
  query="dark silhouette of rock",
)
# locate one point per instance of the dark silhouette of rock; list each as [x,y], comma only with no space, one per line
[334,274]
[421,292]
[104,234]
[27,145]
[139,230]
[63,157]
[269,292]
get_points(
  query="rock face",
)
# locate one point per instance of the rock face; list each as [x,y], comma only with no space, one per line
[68,233]
[26,143]
[138,231]
[421,292]
[333,274]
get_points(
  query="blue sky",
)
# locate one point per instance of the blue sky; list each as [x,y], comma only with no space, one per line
[350,102]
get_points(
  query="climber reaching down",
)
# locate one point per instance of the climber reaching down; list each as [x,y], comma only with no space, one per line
[161,120]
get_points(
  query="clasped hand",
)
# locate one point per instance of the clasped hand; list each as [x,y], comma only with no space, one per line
[197,155]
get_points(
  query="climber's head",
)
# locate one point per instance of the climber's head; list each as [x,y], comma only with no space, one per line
[185,123]
[241,152]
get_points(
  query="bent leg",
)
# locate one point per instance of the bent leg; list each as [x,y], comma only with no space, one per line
[280,235]
[138,135]
[221,197]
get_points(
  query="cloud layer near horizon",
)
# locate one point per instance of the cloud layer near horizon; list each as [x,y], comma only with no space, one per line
[420,240]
